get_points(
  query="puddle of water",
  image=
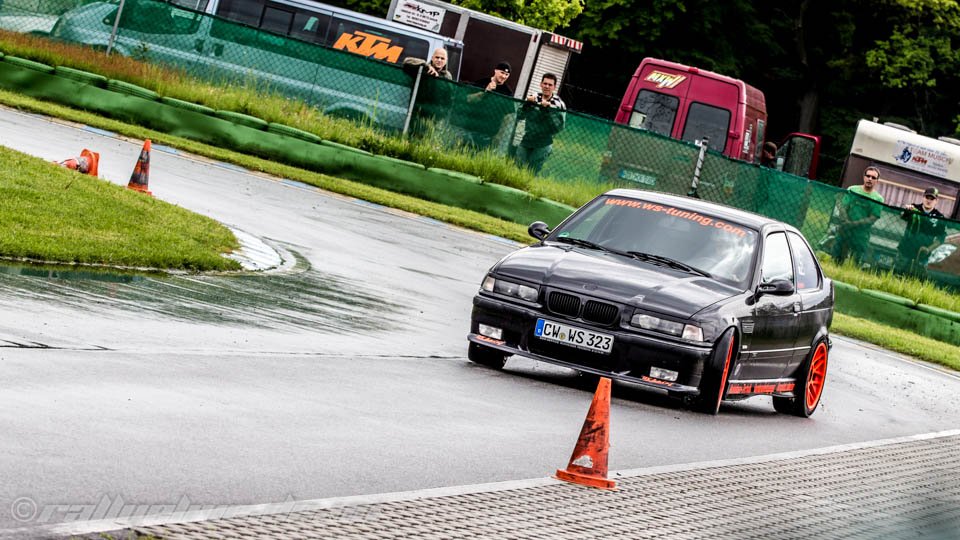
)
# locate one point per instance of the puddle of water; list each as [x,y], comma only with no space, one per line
[294,301]
[70,272]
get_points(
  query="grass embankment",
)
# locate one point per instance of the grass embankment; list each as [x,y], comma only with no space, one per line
[897,340]
[436,149]
[53,214]
[430,152]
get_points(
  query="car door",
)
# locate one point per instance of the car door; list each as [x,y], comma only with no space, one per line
[771,348]
[814,300]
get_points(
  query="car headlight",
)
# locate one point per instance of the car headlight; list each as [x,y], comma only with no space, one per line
[673,328]
[510,288]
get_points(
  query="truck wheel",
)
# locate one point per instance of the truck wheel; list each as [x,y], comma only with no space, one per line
[713,383]
[809,386]
[486,357]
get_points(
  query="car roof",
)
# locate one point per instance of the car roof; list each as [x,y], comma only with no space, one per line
[721,211]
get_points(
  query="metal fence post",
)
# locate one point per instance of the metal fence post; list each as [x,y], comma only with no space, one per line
[116,24]
[413,101]
[704,143]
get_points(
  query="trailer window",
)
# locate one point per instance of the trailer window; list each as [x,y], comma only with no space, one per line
[655,112]
[707,121]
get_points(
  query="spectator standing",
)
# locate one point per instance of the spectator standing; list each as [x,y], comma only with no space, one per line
[433,97]
[486,111]
[858,212]
[544,116]
[925,230]
[768,155]
[436,67]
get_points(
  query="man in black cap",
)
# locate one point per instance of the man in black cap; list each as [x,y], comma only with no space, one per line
[925,231]
[485,112]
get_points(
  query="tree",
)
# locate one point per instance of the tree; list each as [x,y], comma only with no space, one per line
[543,14]
[920,57]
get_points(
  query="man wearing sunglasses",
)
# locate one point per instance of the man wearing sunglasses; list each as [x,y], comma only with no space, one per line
[925,231]
[858,212]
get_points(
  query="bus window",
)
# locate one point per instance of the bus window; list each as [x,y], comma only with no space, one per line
[277,20]
[310,27]
[156,18]
[707,121]
[240,11]
[372,42]
[196,5]
[655,112]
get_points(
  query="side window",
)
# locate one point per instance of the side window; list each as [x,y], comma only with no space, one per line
[310,27]
[707,121]
[808,274]
[240,11]
[655,112]
[777,263]
[276,20]
[156,18]
[761,133]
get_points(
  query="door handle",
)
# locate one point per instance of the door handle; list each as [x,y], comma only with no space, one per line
[218,49]
[198,45]
[797,308]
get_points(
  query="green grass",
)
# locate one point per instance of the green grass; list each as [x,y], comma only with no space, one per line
[897,340]
[53,214]
[919,290]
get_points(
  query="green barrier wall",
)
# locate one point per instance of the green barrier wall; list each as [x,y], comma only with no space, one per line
[444,187]
[898,312]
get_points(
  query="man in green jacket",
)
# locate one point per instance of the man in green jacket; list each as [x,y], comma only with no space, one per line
[858,212]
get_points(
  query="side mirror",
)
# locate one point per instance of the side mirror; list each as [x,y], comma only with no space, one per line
[538,230]
[777,287]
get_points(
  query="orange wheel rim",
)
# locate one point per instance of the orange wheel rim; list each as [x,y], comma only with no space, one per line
[817,376]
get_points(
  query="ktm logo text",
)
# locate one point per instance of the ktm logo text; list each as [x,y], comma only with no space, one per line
[665,80]
[369,45]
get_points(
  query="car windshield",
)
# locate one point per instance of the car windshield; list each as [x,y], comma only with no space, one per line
[657,233]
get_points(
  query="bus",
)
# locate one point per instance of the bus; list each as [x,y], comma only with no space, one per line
[292,47]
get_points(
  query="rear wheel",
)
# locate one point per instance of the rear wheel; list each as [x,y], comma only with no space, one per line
[484,356]
[809,386]
[713,383]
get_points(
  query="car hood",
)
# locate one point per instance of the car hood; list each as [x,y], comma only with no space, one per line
[616,278]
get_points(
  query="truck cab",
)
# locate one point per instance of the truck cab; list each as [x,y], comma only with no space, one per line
[698,106]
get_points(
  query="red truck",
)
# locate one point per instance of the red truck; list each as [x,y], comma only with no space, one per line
[695,105]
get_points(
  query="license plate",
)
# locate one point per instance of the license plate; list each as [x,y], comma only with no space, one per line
[638,177]
[574,337]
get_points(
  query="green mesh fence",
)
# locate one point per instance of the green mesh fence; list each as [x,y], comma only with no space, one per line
[566,147]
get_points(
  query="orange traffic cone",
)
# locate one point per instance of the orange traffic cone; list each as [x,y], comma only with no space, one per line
[588,464]
[86,163]
[141,172]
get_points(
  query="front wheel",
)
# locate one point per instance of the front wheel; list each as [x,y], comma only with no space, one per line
[809,386]
[713,383]
[485,356]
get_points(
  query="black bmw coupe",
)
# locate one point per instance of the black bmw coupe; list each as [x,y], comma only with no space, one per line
[706,302]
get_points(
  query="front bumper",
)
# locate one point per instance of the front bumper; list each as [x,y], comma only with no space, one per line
[633,354]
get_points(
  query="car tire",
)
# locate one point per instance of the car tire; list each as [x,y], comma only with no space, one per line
[809,387]
[713,383]
[485,356]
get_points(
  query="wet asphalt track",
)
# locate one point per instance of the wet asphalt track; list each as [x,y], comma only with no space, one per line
[342,375]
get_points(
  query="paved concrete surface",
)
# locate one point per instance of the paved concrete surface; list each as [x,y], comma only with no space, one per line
[892,489]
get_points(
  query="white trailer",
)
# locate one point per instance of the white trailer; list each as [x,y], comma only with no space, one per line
[909,163]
